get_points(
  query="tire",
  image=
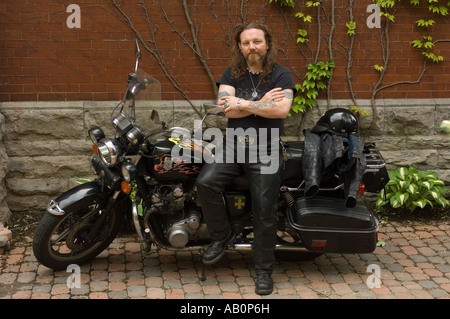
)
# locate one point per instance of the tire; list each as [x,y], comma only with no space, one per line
[58,240]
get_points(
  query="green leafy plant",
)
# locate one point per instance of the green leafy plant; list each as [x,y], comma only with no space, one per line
[351,27]
[445,126]
[135,198]
[287,3]
[411,188]
[313,3]
[427,44]
[316,79]
[378,68]
[357,110]
[302,36]
[83,180]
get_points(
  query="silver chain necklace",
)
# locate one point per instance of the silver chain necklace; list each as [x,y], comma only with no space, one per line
[254,94]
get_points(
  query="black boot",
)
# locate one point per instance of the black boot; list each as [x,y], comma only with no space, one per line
[312,163]
[264,284]
[355,175]
[216,249]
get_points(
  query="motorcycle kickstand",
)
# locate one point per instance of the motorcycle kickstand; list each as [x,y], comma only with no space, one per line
[203,277]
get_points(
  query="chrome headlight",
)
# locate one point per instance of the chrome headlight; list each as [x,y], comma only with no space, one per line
[122,124]
[109,151]
[96,134]
[128,171]
[135,136]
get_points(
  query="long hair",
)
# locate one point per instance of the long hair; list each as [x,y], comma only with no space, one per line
[239,64]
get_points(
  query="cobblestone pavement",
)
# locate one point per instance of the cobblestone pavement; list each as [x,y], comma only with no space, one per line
[414,263]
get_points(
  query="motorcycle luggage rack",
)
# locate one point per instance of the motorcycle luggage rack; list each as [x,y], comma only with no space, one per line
[374,159]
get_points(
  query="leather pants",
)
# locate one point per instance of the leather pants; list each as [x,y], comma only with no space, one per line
[355,175]
[312,163]
[264,190]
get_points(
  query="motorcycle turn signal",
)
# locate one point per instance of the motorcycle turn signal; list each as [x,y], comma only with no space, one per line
[125,187]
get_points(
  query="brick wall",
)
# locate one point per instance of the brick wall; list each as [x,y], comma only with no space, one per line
[56,81]
[43,59]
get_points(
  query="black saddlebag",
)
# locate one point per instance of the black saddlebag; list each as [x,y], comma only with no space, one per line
[291,173]
[327,225]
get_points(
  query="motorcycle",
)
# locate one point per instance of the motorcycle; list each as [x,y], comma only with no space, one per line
[142,180]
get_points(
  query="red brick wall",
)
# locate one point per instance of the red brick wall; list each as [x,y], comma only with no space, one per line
[42,59]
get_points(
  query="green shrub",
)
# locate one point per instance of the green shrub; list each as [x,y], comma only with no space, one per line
[410,188]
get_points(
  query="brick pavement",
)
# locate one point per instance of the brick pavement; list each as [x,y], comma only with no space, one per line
[414,264]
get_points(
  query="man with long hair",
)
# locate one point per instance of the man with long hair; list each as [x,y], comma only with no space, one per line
[256,93]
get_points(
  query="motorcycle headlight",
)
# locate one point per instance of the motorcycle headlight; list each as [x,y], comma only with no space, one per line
[109,151]
[135,136]
[122,124]
[96,134]
[128,171]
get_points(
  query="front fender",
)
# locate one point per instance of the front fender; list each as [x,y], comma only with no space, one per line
[77,197]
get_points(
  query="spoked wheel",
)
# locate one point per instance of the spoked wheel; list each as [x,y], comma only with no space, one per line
[63,240]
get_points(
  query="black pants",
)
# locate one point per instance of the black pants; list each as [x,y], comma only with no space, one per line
[264,190]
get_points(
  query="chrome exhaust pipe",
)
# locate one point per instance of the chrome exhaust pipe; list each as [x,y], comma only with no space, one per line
[278,247]
[244,247]
[137,226]
[236,247]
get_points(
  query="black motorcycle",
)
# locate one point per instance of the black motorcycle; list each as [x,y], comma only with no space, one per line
[146,176]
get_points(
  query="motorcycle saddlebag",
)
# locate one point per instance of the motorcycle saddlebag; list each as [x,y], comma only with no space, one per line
[291,173]
[327,225]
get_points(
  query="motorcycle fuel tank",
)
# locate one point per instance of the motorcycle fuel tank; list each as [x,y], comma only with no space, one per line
[172,162]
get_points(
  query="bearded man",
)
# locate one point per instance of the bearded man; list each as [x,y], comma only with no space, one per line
[256,93]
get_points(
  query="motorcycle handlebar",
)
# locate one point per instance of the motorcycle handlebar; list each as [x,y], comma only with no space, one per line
[136,86]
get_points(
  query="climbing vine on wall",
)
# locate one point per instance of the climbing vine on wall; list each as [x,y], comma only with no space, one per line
[317,36]
[433,10]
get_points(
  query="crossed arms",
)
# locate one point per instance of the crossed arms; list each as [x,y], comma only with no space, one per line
[274,104]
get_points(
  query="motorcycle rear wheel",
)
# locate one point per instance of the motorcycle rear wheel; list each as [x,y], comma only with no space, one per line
[59,241]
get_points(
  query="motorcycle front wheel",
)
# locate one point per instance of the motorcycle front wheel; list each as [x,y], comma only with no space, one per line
[60,241]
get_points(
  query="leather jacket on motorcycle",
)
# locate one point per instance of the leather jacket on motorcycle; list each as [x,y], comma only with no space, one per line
[333,154]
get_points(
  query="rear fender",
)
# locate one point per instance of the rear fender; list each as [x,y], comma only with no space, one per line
[77,198]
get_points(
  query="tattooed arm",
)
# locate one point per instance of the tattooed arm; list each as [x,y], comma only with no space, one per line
[275,104]
[228,92]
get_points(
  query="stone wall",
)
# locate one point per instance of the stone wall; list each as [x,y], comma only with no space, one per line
[4,167]
[45,147]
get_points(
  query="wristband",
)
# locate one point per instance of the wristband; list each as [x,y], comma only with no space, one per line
[238,104]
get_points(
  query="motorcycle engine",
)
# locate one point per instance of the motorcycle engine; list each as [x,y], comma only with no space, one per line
[179,216]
